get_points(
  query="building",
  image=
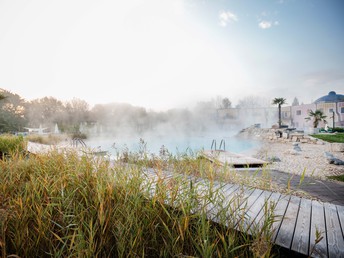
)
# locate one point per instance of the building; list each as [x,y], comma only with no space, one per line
[332,105]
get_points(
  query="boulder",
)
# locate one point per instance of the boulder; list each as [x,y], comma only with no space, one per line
[274,159]
[332,159]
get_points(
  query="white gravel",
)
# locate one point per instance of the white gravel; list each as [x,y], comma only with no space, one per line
[311,158]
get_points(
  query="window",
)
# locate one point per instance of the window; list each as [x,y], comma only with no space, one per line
[298,112]
[285,114]
[330,110]
[342,110]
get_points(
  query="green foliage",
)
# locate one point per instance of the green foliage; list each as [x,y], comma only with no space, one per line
[338,137]
[338,178]
[12,112]
[10,144]
[317,117]
[338,130]
[279,102]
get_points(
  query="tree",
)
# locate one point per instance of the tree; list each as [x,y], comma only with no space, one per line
[226,103]
[295,102]
[279,102]
[46,111]
[317,117]
[12,111]
[78,111]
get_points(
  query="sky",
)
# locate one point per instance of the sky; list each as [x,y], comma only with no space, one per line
[162,54]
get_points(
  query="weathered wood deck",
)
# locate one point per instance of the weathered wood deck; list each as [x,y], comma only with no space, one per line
[232,159]
[297,219]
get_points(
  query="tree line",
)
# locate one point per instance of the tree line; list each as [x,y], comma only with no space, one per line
[16,113]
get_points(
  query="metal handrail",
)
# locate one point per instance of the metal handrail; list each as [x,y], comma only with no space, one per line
[213,144]
[224,145]
[76,141]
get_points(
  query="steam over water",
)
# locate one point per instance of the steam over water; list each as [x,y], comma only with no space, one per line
[174,144]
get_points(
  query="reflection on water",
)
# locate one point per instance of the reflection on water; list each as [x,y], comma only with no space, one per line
[174,145]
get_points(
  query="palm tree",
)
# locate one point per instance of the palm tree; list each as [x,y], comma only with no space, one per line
[279,102]
[317,117]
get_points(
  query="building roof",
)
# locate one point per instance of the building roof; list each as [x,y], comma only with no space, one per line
[330,98]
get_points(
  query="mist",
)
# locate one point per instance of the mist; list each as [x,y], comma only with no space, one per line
[122,127]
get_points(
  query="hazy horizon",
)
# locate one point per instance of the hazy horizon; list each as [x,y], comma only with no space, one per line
[164,54]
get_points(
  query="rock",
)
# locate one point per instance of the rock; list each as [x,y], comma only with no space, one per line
[328,155]
[296,147]
[338,161]
[332,159]
[274,159]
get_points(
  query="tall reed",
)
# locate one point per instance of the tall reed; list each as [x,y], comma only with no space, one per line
[64,205]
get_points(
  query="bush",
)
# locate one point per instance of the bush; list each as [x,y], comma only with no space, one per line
[79,135]
[10,144]
[46,139]
[338,129]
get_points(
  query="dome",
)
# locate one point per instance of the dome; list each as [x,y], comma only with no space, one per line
[330,98]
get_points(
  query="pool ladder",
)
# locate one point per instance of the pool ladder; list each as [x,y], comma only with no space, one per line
[222,144]
[78,141]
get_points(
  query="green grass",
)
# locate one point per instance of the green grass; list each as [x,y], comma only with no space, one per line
[338,137]
[338,178]
[63,205]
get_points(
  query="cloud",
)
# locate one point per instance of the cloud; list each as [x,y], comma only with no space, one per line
[227,17]
[324,77]
[265,25]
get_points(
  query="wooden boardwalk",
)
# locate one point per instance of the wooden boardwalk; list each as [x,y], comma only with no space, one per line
[298,220]
[232,159]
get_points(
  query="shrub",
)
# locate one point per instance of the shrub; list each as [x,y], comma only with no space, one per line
[338,130]
[10,144]
[46,139]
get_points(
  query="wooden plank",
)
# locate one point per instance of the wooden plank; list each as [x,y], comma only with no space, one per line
[340,211]
[300,218]
[318,224]
[286,231]
[272,202]
[223,198]
[257,211]
[300,242]
[225,157]
[247,213]
[279,212]
[335,241]
[237,204]
[211,191]
[234,197]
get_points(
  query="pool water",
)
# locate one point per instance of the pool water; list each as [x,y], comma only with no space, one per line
[174,145]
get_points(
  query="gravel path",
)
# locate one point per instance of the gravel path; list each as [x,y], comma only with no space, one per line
[310,159]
